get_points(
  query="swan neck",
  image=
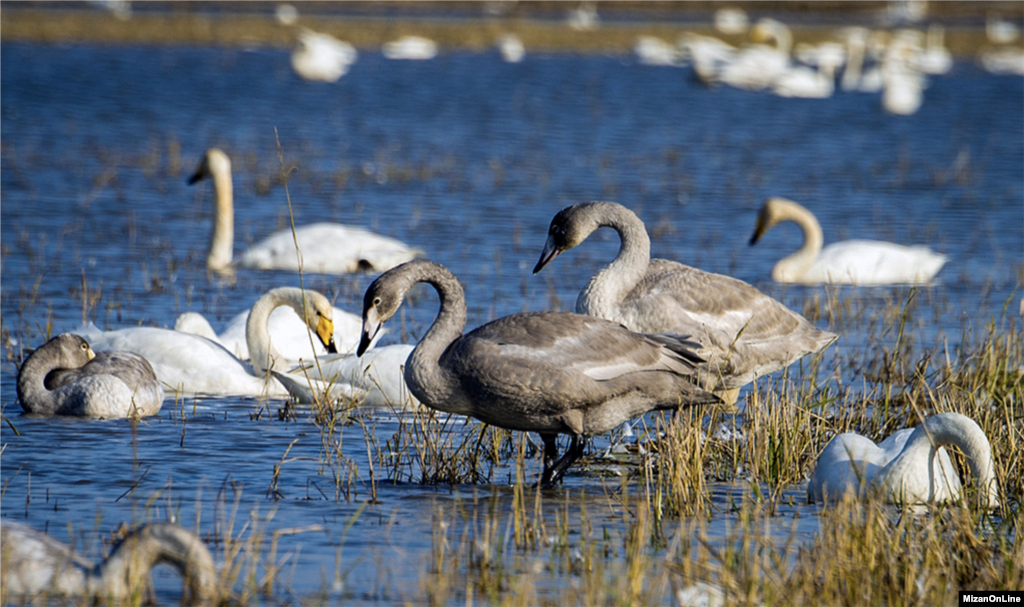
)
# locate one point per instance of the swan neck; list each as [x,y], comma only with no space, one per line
[222,241]
[854,63]
[126,571]
[31,382]
[793,266]
[427,379]
[262,353]
[604,294]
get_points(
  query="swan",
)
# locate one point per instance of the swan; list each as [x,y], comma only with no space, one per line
[731,20]
[546,372]
[584,18]
[287,332]
[757,66]
[903,84]
[65,377]
[511,48]
[708,55]
[327,248]
[856,77]
[909,467]
[860,262]
[191,364]
[37,566]
[410,47]
[374,379]
[808,83]
[934,59]
[651,50]
[742,332]
[322,57]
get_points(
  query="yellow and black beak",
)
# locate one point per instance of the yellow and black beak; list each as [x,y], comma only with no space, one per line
[325,331]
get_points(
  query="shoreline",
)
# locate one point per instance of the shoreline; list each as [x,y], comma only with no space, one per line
[254,30]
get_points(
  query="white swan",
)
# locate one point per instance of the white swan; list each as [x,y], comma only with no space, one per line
[190,364]
[743,333]
[511,48]
[287,332]
[651,50]
[322,57]
[861,262]
[858,76]
[934,59]
[374,379]
[416,48]
[36,566]
[909,467]
[65,377]
[708,54]
[731,20]
[903,83]
[757,66]
[327,248]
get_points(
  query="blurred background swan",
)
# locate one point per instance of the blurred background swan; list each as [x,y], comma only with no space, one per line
[65,377]
[375,379]
[861,262]
[511,48]
[415,48]
[327,248]
[909,467]
[36,565]
[322,57]
[192,365]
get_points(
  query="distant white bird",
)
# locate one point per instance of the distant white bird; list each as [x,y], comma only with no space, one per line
[584,18]
[800,81]
[36,565]
[861,262]
[322,57]
[999,30]
[375,379]
[708,54]
[1006,60]
[731,20]
[286,14]
[651,50]
[934,59]
[904,84]
[410,47]
[859,75]
[756,66]
[511,48]
[327,248]
[909,467]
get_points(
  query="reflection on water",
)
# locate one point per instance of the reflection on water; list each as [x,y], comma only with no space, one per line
[468,158]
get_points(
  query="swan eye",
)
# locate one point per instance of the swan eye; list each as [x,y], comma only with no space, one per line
[376,301]
[85,347]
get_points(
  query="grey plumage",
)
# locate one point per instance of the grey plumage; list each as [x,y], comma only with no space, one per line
[65,377]
[743,333]
[547,372]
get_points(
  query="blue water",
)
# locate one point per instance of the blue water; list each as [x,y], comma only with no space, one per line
[467,158]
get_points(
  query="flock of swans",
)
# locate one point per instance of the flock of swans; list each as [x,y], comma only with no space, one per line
[646,335]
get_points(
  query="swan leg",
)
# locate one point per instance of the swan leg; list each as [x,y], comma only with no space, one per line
[550,450]
[553,474]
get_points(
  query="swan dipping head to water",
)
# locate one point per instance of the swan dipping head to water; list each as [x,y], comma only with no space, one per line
[36,565]
[860,262]
[546,372]
[909,467]
[65,377]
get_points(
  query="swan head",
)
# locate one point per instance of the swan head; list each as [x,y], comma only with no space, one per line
[570,227]
[319,316]
[71,351]
[214,162]
[380,302]
[773,212]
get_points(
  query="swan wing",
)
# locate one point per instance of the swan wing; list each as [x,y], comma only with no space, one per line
[328,248]
[869,262]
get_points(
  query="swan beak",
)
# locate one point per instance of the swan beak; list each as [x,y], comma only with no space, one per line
[759,231]
[550,252]
[325,331]
[371,325]
[199,174]
[91,354]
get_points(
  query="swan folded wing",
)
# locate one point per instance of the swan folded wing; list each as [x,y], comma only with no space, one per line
[869,262]
[35,563]
[328,247]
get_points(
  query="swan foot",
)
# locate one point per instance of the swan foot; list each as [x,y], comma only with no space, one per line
[553,473]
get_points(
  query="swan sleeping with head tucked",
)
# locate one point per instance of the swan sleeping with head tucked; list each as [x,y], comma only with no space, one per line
[860,262]
[191,364]
[36,566]
[743,333]
[65,377]
[327,248]
[546,372]
[909,467]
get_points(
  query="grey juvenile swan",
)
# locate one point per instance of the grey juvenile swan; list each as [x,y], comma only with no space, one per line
[65,377]
[36,565]
[327,248]
[743,333]
[546,372]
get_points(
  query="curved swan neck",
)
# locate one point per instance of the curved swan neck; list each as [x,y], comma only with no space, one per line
[222,241]
[127,568]
[789,268]
[31,378]
[427,379]
[953,429]
[606,291]
[262,353]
